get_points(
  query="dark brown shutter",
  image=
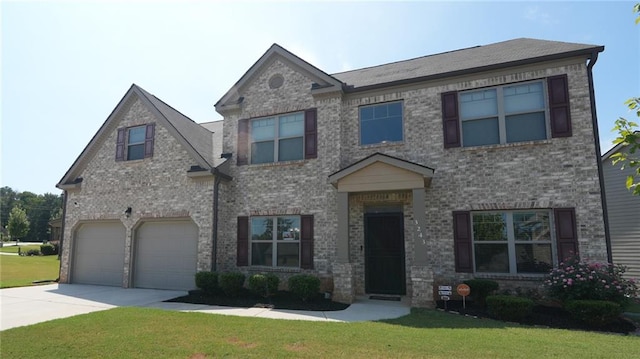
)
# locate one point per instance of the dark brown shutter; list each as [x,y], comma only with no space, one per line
[462,241]
[243,142]
[450,119]
[243,242]
[566,232]
[148,140]
[306,242]
[559,106]
[120,144]
[310,134]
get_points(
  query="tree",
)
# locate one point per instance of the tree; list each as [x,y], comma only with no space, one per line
[18,225]
[629,135]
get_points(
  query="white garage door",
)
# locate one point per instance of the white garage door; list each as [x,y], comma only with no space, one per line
[166,255]
[98,256]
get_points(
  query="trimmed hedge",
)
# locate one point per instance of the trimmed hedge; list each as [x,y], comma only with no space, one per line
[231,283]
[509,308]
[304,286]
[207,281]
[593,312]
[481,288]
[264,285]
[48,250]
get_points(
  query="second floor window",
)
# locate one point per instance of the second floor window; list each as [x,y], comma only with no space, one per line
[277,139]
[504,114]
[135,143]
[381,123]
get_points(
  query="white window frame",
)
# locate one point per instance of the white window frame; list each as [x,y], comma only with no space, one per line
[129,144]
[276,137]
[375,105]
[502,115]
[511,241]
[274,241]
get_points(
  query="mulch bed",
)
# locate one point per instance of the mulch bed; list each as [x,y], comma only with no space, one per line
[280,300]
[547,316]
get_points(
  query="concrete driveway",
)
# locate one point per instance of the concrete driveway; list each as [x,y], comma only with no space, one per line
[31,305]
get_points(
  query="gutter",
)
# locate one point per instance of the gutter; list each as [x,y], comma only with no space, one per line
[596,137]
[64,220]
[214,234]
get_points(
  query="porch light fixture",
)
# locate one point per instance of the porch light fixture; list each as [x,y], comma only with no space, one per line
[127,212]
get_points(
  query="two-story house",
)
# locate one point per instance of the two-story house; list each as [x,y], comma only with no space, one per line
[481,162]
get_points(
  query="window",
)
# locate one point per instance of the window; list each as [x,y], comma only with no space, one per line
[505,114]
[279,248]
[277,139]
[135,143]
[381,123]
[512,242]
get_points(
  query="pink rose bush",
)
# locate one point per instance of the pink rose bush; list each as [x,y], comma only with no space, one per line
[577,280]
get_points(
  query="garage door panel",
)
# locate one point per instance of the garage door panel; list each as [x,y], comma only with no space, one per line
[166,255]
[99,254]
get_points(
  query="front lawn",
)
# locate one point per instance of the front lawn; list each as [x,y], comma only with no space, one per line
[18,271]
[153,333]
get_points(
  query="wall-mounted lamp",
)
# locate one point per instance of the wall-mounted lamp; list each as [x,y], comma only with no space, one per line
[127,212]
[226,155]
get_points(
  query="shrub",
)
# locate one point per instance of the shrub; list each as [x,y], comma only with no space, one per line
[576,280]
[509,308]
[264,285]
[231,283]
[593,312]
[481,288]
[48,249]
[33,252]
[304,286]
[207,281]
[56,245]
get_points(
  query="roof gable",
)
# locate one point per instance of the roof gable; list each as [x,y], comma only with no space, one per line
[323,81]
[197,140]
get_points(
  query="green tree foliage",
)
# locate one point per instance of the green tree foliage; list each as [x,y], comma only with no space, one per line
[18,225]
[38,208]
[629,135]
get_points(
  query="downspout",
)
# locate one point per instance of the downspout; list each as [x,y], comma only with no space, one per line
[596,136]
[64,219]
[214,234]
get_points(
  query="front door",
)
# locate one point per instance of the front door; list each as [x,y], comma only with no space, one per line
[384,253]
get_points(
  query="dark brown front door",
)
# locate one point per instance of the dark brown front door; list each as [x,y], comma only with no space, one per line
[384,253]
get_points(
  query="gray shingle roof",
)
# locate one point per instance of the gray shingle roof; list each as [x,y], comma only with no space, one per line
[504,53]
[197,136]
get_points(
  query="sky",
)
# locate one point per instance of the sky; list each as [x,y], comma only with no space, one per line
[66,65]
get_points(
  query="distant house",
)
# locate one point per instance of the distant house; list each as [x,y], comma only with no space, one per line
[623,210]
[55,227]
[479,163]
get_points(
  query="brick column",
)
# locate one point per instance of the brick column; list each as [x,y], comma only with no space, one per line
[422,286]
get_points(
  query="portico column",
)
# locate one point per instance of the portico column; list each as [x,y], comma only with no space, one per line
[420,240]
[343,227]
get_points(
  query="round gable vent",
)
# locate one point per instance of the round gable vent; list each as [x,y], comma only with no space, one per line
[276,81]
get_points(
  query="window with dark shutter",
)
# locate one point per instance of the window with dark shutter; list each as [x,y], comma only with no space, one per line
[558,89]
[450,119]
[148,140]
[120,144]
[462,241]
[243,242]
[243,142]
[310,134]
[306,242]
[566,232]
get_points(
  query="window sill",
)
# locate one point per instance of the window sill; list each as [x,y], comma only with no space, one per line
[522,277]
[274,269]
[507,145]
[383,144]
[298,163]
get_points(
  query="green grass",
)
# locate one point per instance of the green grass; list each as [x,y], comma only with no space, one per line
[14,249]
[153,333]
[17,271]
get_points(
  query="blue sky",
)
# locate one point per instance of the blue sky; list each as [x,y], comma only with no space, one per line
[65,65]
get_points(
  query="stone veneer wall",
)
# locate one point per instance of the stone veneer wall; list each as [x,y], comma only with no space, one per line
[559,172]
[154,188]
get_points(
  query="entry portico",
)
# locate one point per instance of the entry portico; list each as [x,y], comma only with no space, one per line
[373,190]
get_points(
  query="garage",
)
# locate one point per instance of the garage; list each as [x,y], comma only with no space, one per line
[98,256]
[166,255]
